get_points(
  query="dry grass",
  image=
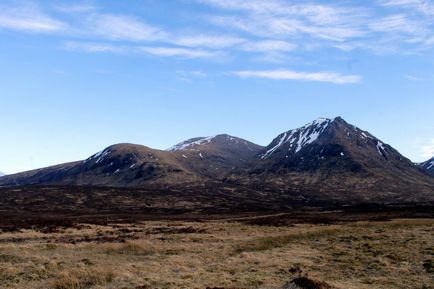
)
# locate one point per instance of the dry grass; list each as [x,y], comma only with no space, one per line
[382,255]
[82,279]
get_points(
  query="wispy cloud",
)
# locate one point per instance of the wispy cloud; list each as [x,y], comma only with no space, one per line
[121,27]
[282,19]
[163,51]
[94,47]
[28,18]
[209,41]
[418,77]
[83,7]
[271,31]
[188,76]
[395,23]
[269,46]
[343,26]
[127,28]
[178,52]
[330,77]
[422,6]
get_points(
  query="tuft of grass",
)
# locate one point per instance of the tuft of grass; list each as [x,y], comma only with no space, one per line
[139,247]
[82,279]
[271,242]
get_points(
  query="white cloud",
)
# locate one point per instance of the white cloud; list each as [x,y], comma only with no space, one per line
[83,7]
[282,19]
[283,27]
[269,46]
[421,6]
[188,76]
[94,47]
[178,52]
[331,77]
[125,28]
[120,27]
[28,18]
[268,30]
[208,41]
[414,77]
[396,23]
[378,28]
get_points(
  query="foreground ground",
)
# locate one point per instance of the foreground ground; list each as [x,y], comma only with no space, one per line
[233,253]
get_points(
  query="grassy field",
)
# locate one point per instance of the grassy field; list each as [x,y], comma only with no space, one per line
[223,254]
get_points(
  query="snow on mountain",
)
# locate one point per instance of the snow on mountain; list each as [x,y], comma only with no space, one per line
[300,137]
[190,143]
[430,164]
[2,174]
[293,141]
[195,144]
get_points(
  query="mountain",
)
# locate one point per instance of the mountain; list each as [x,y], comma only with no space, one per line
[325,161]
[129,165]
[330,159]
[2,174]
[121,165]
[428,166]
[215,156]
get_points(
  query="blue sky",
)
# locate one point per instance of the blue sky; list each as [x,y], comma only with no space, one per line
[77,76]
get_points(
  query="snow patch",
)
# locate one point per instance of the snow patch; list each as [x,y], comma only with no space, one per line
[189,143]
[380,148]
[99,156]
[430,165]
[270,151]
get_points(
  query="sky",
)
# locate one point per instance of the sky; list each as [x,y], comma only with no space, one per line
[78,76]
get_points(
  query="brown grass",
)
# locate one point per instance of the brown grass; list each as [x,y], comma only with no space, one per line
[81,279]
[362,255]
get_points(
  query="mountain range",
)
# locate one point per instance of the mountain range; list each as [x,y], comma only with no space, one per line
[327,160]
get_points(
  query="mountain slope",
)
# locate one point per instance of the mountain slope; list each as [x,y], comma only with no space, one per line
[215,156]
[428,166]
[129,165]
[327,143]
[331,159]
[119,165]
